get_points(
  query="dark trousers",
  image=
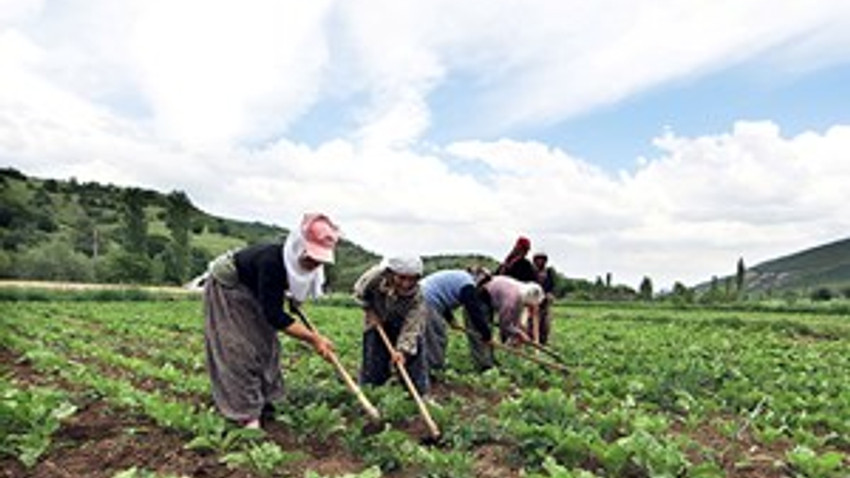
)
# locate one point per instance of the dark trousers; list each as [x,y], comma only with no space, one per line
[376,367]
[436,342]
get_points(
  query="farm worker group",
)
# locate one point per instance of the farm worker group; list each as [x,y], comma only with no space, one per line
[405,320]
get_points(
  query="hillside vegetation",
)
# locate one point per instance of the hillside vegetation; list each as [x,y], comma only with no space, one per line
[90,232]
[826,266]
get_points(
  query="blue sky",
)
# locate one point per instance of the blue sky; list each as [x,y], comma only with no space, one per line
[613,136]
[637,138]
[706,105]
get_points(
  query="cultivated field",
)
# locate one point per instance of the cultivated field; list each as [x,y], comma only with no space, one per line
[118,388]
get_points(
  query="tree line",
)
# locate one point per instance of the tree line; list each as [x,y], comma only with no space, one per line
[91,232]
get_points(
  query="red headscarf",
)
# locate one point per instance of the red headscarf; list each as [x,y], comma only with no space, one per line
[520,249]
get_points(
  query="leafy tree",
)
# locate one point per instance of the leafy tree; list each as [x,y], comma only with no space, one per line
[178,220]
[739,277]
[134,221]
[50,185]
[42,199]
[45,223]
[714,294]
[646,288]
[822,294]
[54,261]
[157,244]
[12,173]
[199,259]
[598,284]
[21,224]
[6,264]
[86,238]
[126,268]
[681,294]
[222,227]
[132,264]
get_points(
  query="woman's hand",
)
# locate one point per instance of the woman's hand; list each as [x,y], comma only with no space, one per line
[397,358]
[323,346]
[519,338]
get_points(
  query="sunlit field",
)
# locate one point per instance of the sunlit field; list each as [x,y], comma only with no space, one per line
[107,388]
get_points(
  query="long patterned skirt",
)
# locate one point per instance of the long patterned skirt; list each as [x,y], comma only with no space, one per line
[242,351]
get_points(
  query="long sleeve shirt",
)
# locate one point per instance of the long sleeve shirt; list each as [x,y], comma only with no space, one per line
[261,269]
[520,269]
[507,298]
[446,290]
[407,312]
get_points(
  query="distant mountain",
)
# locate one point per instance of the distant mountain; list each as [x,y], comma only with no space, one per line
[820,268]
[71,231]
[826,266]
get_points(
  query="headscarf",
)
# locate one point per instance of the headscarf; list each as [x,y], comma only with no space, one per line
[530,292]
[302,283]
[405,265]
[519,251]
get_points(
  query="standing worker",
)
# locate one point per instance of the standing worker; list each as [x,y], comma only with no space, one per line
[392,299]
[445,291]
[243,305]
[516,264]
[546,279]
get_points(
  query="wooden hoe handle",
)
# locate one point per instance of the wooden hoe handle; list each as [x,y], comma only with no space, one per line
[423,410]
[352,386]
[349,382]
[520,353]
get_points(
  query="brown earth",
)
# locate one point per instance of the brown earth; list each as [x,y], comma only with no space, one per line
[100,440]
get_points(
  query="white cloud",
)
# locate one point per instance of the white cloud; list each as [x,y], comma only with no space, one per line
[749,193]
[615,49]
[12,11]
[197,96]
[232,70]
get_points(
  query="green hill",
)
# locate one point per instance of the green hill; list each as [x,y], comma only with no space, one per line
[72,231]
[821,267]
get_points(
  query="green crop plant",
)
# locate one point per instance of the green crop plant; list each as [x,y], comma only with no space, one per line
[316,420]
[651,387]
[390,450]
[395,403]
[262,459]
[135,472]
[371,472]
[807,463]
[462,434]
[213,433]
[645,451]
[443,464]
[553,469]
[28,418]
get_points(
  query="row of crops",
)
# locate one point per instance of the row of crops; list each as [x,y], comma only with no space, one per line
[653,391]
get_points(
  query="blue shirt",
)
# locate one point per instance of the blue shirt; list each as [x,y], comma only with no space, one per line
[442,289]
[447,290]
